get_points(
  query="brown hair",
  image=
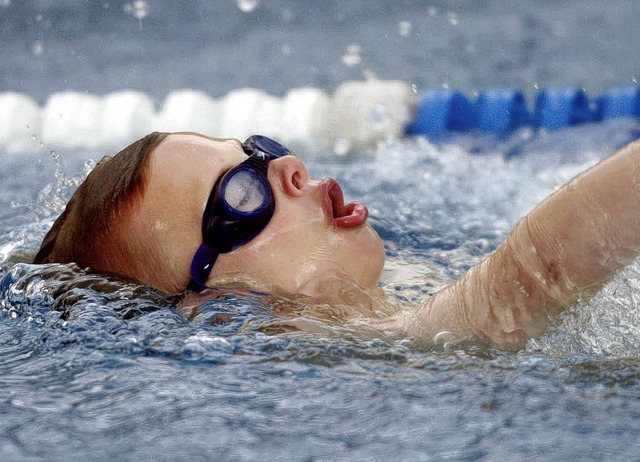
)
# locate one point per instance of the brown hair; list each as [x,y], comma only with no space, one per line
[86,232]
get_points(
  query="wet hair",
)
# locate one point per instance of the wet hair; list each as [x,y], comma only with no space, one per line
[86,232]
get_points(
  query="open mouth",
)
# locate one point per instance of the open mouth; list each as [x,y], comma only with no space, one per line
[349,215]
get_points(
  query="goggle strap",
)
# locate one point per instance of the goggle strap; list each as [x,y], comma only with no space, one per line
[201,266]
[258,161]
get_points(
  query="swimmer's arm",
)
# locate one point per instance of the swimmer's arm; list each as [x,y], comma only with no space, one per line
[567,248]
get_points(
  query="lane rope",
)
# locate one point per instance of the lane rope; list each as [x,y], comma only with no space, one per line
[356,115]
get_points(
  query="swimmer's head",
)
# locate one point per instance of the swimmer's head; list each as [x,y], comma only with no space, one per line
[139,215]
[87,232]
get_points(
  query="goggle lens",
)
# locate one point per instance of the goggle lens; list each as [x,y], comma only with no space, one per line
[244,192]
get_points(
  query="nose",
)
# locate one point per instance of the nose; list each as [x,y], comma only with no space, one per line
[290,173]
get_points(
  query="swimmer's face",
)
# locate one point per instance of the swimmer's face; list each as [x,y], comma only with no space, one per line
[301,246]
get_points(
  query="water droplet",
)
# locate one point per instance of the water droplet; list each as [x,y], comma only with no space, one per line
[341,146]
[379,117]
[139,9]
[5,3]
[535,85]
[353,56]
[247,6]
[38,18]
[369,75]
[286,49]
[88,166]
[404,28]
[38,48]
[453,19]
[287,15]
[414,89]
[432,11]
[634,80]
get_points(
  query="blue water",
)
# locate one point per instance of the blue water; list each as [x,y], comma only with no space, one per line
[96,368]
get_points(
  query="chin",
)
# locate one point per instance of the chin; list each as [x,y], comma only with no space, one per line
[370,260]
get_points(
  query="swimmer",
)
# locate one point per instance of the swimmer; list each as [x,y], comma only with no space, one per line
[184,212]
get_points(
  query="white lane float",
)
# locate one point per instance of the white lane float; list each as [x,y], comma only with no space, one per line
[363,113]
[190,111]
[126,116]
[20,118]
[304,115]
[72,119]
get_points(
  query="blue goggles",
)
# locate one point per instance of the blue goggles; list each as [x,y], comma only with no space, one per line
[240,206]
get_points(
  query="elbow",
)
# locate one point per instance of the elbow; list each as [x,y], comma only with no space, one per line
[511,294]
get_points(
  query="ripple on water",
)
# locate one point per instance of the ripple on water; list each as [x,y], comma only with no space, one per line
[106,369]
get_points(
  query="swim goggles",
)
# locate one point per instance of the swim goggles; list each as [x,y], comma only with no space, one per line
[240,206]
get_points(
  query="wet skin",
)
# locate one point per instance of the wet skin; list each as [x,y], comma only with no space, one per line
[312,235]
[564,250]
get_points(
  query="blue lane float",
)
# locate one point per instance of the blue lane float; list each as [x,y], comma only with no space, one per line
[500,111]
[618,102]
[441,111]
[562,107]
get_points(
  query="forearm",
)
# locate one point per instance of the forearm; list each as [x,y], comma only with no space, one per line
[566,248]
[496,301]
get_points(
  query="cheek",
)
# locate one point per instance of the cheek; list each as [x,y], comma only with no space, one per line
[291,258]
[299,245]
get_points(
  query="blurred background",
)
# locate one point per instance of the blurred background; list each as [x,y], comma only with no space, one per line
[156,46]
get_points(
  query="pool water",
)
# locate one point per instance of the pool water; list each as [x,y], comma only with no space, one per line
[97,368]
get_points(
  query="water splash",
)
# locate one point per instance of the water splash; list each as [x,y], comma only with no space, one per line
[353,56]
[38,48]
[53,198]
[341,146]
[380,117]
[139,9]
[607,326]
